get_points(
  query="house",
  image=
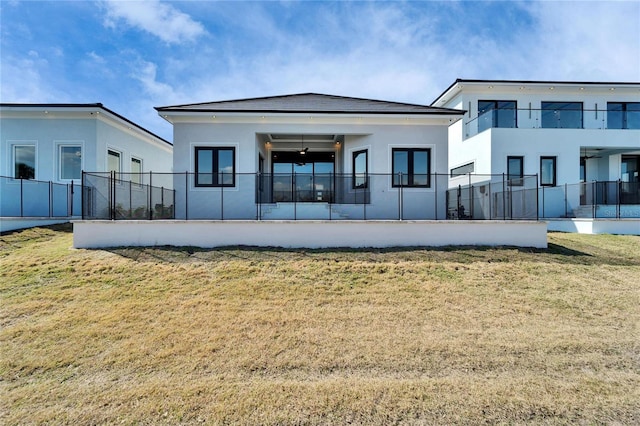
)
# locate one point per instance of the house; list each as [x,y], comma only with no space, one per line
[45,147]
[582,139]
[311,156]
[306,170]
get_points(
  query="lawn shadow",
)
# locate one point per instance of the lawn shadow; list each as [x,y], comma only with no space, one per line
[554,253]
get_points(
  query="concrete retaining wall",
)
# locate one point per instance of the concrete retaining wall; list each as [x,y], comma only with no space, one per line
[309,234]
[596,226]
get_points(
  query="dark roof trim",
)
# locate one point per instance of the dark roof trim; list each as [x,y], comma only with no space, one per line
[578,83]
[442,111]
[94,105]
[194,107]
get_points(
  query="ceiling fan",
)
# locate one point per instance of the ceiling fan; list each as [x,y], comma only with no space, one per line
[302,153]
[588,157]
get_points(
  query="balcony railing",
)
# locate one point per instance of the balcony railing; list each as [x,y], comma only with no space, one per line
[30,198]
[597,199]
[530,118]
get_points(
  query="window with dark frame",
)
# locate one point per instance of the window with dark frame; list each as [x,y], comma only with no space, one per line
[561,115]
[136,170]
[24,161]
[515,170]
[113,161]
[70,162]
[548,171]
[411,167]
[463,170]
[497,114]
[360,169]
[623,115]
[215,167]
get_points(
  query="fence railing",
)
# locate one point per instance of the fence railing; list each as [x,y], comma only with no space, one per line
[31,198]
[493,197]
[596,199]
[531,118]
[119,196]
[328,196]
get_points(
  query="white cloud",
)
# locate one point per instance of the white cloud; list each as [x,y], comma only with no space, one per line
[95,58]
[584,41]
[160,19]
[146,74]
[22,81]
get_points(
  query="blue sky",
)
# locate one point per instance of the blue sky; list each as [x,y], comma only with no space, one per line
[132,56]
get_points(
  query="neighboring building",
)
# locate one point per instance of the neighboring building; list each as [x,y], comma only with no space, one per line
[316,156]
[45,147]
[570,133]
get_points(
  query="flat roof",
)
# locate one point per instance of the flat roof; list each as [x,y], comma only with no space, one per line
[535,82]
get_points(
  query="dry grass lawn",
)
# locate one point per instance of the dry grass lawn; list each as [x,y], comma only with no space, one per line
[270,336]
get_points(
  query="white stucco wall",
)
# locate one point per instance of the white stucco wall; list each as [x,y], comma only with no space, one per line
[47,133]
[49,128]
[377,134]
[531,141]
[310,234]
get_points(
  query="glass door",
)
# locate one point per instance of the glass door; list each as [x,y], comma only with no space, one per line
[304,177]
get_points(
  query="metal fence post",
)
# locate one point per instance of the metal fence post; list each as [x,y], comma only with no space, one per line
[566,212]
[504,199]
[618,197]
[186,195]
[537,200]
[222,203]
[150,195]
[50,199]
[82,200]
[490,195]
[595,199]
[400,199]
[458,197]
[21,198]
[70,199]
[436,195]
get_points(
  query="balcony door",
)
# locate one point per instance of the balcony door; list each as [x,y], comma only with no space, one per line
[307,177]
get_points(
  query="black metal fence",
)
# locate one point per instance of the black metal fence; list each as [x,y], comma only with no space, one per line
[256,196]
[31,198]
[597,199]
[119,196]
[491,197]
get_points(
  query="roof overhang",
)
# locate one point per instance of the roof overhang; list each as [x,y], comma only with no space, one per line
[528,85]
[95,110]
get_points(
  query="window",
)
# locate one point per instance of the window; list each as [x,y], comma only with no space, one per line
[360,169]
[562,115]
[215,166]
[463,170]
[70,162]
[113,161]
[630,168]
[24,160]
[623,115]
[496,114]
[515,170]
[548,171]
[136,170]
[410,167]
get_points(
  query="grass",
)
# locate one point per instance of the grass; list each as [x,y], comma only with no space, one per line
[271,336]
